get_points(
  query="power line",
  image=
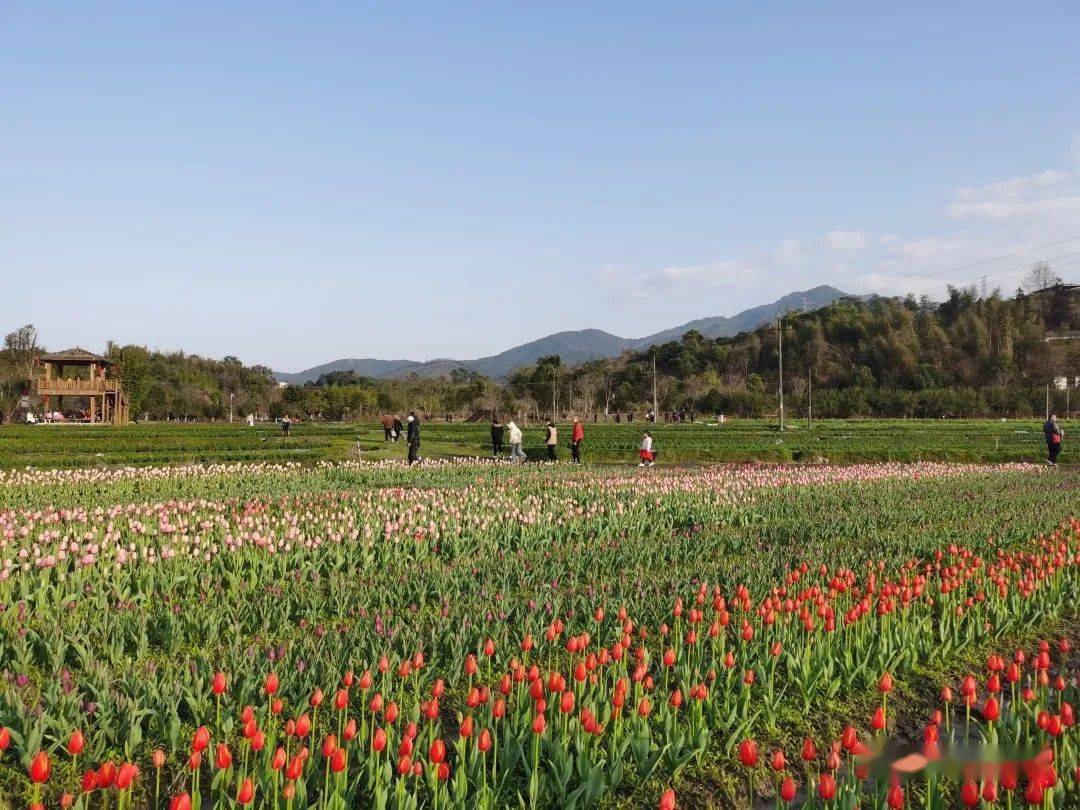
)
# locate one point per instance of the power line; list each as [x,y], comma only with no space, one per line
[980,263]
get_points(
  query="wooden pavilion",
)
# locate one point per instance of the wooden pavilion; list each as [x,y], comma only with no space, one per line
[100,387]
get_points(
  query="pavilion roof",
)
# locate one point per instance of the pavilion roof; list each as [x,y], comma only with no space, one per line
[75,356]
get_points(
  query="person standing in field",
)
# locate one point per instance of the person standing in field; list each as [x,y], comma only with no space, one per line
[286,425]
[645,452]
[497,431]
[1054,434]
[552,441]
[387,427]
[398,428]
[514,433]
[412,436]
[577,436]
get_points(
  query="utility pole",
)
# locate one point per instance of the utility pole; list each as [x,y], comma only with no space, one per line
[654,413]
[554,388]
[810,396]
[780,337]
[231,395]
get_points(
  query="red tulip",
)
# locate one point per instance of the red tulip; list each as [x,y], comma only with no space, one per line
[990,791]
[895,798]
[89,781]
[201,741]
[303,726]
[5,738]
[271,685]
[157,759]
[316,698]
[748,754]
[848,738]
[778,762]
[329,746]
[437,752]
[106,775]
[339,761]
[341,699]
[787,789]
[969,794]
[218,685]
[246,792]
[223,757]
[484,743]
[126,776]
[991,710]
[277,762]
[181,802]
[809,751]
[885,685]
[40,768]
[539,724]
[76,743]
[826,786]
[877,723]
[667,801]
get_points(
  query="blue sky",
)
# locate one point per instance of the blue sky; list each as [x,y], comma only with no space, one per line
[293,183]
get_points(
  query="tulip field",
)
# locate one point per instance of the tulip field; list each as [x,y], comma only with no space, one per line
[344,634]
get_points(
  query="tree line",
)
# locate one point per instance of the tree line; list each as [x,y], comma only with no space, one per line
[974,354]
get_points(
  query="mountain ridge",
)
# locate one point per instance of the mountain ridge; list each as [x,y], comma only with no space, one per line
[573,346]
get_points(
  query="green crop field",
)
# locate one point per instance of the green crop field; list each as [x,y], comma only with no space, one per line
[738,440]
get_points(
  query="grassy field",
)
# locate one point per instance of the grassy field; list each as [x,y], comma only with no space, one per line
[739,440]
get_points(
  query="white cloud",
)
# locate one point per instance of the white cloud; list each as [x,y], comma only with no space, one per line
[1002,219]
[846,241]
[1051,194]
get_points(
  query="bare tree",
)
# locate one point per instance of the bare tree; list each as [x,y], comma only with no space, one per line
[16,367]
[1039,277]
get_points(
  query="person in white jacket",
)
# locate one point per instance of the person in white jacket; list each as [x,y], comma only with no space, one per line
[646,451]
[514,433]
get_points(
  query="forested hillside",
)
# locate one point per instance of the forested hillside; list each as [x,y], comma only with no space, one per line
[971,355]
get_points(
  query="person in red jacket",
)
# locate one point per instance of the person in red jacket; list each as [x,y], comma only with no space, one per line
[577,436]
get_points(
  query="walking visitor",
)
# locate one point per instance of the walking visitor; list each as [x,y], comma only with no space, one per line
[1054,435]
[514,434]
[497,431]
[552,441]
[388,427]
[413,438]
[577,436]
[398,428]
[645,452]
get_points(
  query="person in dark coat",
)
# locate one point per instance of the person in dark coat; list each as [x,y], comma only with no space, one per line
[497,430]
[412,436]
[1054,435]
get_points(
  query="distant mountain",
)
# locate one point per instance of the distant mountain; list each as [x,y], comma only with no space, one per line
[574,346]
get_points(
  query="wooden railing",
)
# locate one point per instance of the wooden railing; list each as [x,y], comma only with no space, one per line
[76,386]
